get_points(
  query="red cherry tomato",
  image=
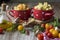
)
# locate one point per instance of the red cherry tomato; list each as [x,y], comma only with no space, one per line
[1,30]
[40,36]
[49,35]
[46,32]
[47,29]
[43,25]
[51,26]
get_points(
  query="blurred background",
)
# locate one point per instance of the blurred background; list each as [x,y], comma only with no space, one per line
[28,1]
[31,3]
[34,1]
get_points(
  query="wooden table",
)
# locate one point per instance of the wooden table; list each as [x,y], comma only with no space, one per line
[17,36]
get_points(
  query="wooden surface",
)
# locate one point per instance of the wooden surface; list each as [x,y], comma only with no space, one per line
[18,36]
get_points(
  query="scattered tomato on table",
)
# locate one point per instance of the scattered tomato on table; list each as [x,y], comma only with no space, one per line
[47,25]
[43,25]
[51,30]
[55,33]
[20,27]
[51,26]
[40,36]
[49,35]
[6,24]
[1,30]
[12,28]
[59,35]
[46,32]
[10,23]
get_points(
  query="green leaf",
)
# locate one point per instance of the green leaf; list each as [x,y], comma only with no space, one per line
[55,24]
[15,25]
[9,29]
[36,27]
[12,28]
[42,29]
[4,21]
[23,31]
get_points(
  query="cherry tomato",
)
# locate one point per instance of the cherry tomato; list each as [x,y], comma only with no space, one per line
[59,35]
[49,35]
[47,26]
[46,32]
[55,33]
[1,30]
[40,36]
[43,25]
[51,26]
[20,27]
[51,30]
